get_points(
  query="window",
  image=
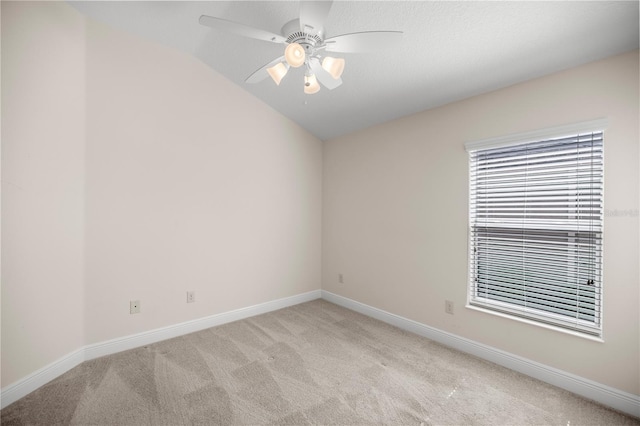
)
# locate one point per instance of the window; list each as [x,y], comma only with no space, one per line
[535,219]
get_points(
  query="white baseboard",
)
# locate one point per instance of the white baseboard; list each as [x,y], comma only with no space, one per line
[23,387]
[33,381]
[136,340]
[611,397]
[614,398]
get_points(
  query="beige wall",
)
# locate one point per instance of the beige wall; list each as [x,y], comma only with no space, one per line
[145,171]
[395,215]
[43,132]
[192,184]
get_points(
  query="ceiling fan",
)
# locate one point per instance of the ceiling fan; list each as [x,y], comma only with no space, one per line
[306,46]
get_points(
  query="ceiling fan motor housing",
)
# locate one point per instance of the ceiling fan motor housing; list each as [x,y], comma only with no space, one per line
[291,30]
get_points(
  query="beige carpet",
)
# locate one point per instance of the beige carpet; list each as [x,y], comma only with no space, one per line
[314,363]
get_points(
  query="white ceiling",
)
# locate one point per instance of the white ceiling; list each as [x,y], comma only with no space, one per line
[450,51]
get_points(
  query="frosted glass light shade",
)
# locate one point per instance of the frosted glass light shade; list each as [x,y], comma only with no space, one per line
[278,71]
[294,55]
[334,66]
[311,85]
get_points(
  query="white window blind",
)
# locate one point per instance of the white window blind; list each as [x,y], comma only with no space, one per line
[536,216]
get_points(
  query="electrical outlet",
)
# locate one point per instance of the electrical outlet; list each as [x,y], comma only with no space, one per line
[191,296]
[134,307]
[340,279]
[448,306]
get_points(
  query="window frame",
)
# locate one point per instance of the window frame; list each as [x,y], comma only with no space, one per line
[513,140]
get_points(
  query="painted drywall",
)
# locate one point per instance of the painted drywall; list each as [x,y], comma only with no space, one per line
[395,215]
[133,171]
[192,184]
[43,133]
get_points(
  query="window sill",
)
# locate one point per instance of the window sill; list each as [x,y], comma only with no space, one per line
[598,339]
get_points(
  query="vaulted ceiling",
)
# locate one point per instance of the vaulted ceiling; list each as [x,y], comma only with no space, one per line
[449,51]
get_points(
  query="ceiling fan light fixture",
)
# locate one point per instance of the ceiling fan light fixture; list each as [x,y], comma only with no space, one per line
[294,55]
[311,85]
[334,66]
[278,71]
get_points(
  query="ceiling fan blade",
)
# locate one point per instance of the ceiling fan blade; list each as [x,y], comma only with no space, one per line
[367,41]
[240,29]
[313,14]
[262,73]
[322,75]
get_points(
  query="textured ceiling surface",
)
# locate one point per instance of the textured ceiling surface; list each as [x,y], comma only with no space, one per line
[450,50]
